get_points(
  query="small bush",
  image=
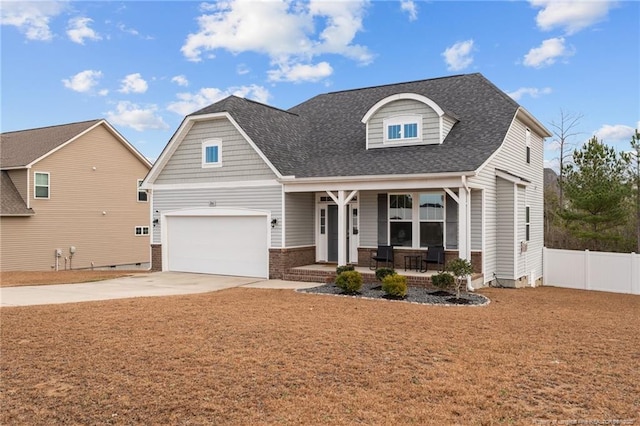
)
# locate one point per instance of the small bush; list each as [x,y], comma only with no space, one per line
[395,285]
[383,272]
[344,268]
[443,280]
[349,281]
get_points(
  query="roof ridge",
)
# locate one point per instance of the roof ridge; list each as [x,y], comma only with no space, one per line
[402,83]
[264,105]
[52,126]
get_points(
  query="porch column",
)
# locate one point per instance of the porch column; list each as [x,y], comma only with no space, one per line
[464,223]
[342,200]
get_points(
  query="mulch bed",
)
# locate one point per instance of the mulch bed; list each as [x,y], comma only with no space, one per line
[414,295]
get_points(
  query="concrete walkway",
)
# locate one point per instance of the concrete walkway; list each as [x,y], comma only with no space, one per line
[142,285]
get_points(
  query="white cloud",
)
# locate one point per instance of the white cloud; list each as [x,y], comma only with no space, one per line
[78,30]
[615,133]
[180,80]
[128,114]
[410,7]
[133,83]
[125,29]
[288,32]
[243,69]
[31,18]
[300,72]
[547,54]
[103,92]
[571,15]
[459,56]
[534,92]
[83,82]
[190,102]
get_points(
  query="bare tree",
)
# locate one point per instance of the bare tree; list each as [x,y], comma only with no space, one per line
[563,131]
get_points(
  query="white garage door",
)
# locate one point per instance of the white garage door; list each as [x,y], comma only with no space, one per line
[217,244]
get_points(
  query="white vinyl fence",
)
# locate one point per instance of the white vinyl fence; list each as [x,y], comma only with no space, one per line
[592,270]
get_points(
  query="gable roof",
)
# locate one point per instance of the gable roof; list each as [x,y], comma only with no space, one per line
[21,148]
[11,202]
[325,137]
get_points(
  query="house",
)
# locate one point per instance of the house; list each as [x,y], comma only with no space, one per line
[243,188]
[70,199]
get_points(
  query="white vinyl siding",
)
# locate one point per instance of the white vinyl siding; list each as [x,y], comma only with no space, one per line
[520,214]
[300,212]
[405,107]
[368,231]
[268,198]
[241,161]
[476,220]
[506,238]
[510,157]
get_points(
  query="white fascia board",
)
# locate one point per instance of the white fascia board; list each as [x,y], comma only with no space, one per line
[533,123]
[399,96]
[381,182]
[511,178]
[59,147]
[127,144]
[214,185]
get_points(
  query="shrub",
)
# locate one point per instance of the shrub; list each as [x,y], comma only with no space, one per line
[343,268]
[443,280]
[349,281]
[395,285]
[461,268]
[383,272]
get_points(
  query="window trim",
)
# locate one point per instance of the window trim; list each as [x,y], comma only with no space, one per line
[415,216]
[527,223]
[142,232]
[527,140]
[211,143]
[141,191]
[35,185]
[402,121]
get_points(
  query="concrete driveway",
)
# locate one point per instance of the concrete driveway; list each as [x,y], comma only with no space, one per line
[143,285]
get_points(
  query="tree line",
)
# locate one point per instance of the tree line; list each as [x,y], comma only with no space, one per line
[594,202]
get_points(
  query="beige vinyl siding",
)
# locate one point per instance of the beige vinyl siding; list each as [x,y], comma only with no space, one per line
[430,122]
[512,157]
[505,235]
[300,219]
[476,220]
[268,198]
[447,125]
[19,179]
[368,231]
[240,162]
[73,216]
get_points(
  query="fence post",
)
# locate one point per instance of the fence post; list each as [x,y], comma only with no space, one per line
[635,273]
[587,277]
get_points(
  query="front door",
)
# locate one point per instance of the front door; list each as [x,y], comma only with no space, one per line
[332,233]
[327,232]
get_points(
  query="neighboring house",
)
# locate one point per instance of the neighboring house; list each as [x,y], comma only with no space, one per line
[244,188]
[70,199]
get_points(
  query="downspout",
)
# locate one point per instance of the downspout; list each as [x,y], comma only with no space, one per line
[467,206]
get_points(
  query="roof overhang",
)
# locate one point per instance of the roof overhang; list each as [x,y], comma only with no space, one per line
[377,182]
[532,123]
[503,174]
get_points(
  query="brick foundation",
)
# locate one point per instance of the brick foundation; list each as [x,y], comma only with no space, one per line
[156,257]
[281,260]
[364,255]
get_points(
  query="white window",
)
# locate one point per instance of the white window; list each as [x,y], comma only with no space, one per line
[41,185]
[420,224]
[527,223]
[527,138]
[212,153]
[142,194]
[401,219]
[141,231]
[431,219]
[406,128]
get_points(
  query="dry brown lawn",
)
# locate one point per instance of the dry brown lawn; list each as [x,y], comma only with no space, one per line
[257,357]
[19,278]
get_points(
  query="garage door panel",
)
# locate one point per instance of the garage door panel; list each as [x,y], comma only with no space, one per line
[225,245]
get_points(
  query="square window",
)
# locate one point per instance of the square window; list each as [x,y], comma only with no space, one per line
[411,130]
[212,153]
[141,231]
[41,185]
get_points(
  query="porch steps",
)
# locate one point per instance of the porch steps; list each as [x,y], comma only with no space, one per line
[328,275]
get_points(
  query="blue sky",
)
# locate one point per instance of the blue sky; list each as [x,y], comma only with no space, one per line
[144,65]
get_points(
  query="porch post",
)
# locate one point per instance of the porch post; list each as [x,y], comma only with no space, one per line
[464,218]
[342,229]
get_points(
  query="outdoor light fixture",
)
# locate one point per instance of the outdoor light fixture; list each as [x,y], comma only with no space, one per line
[274,222]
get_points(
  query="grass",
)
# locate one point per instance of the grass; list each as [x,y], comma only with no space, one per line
[249,356]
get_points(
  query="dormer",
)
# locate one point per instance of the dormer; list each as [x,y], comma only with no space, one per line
[406,119]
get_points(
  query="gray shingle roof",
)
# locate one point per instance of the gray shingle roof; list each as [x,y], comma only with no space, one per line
[17,149]
[11,202]
[324,136]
